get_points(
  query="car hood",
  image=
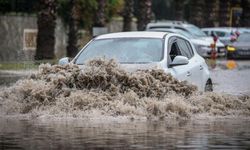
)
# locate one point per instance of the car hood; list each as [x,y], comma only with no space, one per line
[242,45]
[132,67]
[211,40]
[200,42]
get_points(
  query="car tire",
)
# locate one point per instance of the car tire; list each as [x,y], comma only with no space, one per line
[209,86]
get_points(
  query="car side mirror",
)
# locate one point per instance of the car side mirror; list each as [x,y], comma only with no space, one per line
[64,61]
[179,60]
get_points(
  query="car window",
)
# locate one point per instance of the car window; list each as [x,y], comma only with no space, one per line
[124,50]
[183,29]
[190,49]
[206,32]
[185,33]
[220,33]
[195,31]
[174,50]
[185,51]
[157,27]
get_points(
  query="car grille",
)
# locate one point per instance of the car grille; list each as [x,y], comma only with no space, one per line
[243,52]
[221,49]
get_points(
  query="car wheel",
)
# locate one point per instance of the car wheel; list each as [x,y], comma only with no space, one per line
[209,86]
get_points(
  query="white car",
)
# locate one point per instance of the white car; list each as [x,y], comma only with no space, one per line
[225,34]
[201,40]
[171,52]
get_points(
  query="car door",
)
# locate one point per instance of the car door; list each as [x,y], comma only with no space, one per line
[181,72]
[191,71]
[195,65]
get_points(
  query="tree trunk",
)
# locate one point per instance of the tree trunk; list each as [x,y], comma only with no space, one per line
[144,14]
[46,29]
[100,19]
[72,47]
[179,10]
[224,13]
[128,15]
[211,13]
[245,18]
[197,12]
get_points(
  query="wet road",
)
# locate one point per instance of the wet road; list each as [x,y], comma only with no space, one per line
[7,78]
[205,133]
[75,134]
[235,81]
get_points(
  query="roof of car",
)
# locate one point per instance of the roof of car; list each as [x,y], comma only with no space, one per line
[134,34]
[223,29]
[168,24]
[227,29]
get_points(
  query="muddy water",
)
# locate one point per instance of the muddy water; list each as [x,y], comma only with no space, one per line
[106,107]
[75,134]
[6,79]
[235,81]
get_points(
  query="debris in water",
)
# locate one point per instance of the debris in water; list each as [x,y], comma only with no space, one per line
[102,88]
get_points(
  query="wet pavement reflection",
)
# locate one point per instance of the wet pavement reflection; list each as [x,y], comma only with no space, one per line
[77,134]
[83,134]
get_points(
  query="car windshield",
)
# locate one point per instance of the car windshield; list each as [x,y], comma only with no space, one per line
[220,33]
[124,50]
[244,38]
[196,31]
[186,34]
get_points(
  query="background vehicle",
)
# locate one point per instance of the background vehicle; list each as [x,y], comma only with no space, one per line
[244,30]
[173,53]
[201,41]
[240,48]
[226,35]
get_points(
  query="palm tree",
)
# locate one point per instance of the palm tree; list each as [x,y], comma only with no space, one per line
[72,47]
[179,6]
[211,13]
[197,12]
[245,21]
[224,13]
[100,16]
[128,15]
[144,14]
[46,22]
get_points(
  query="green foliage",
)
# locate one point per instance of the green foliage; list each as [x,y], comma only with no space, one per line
[63,10]
[18,66]
[114,8]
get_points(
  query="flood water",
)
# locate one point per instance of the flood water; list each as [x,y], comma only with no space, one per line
[210,133]
[7,79]
[201,134]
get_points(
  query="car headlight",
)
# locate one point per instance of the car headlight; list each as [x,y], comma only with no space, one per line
[231,48]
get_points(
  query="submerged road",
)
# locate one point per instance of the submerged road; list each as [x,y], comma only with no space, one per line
[233,81]
[75,133]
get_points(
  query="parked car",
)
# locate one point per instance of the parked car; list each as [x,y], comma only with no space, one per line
[171,52]
[244,30]
[226,35]
[203,49]
[240,48]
